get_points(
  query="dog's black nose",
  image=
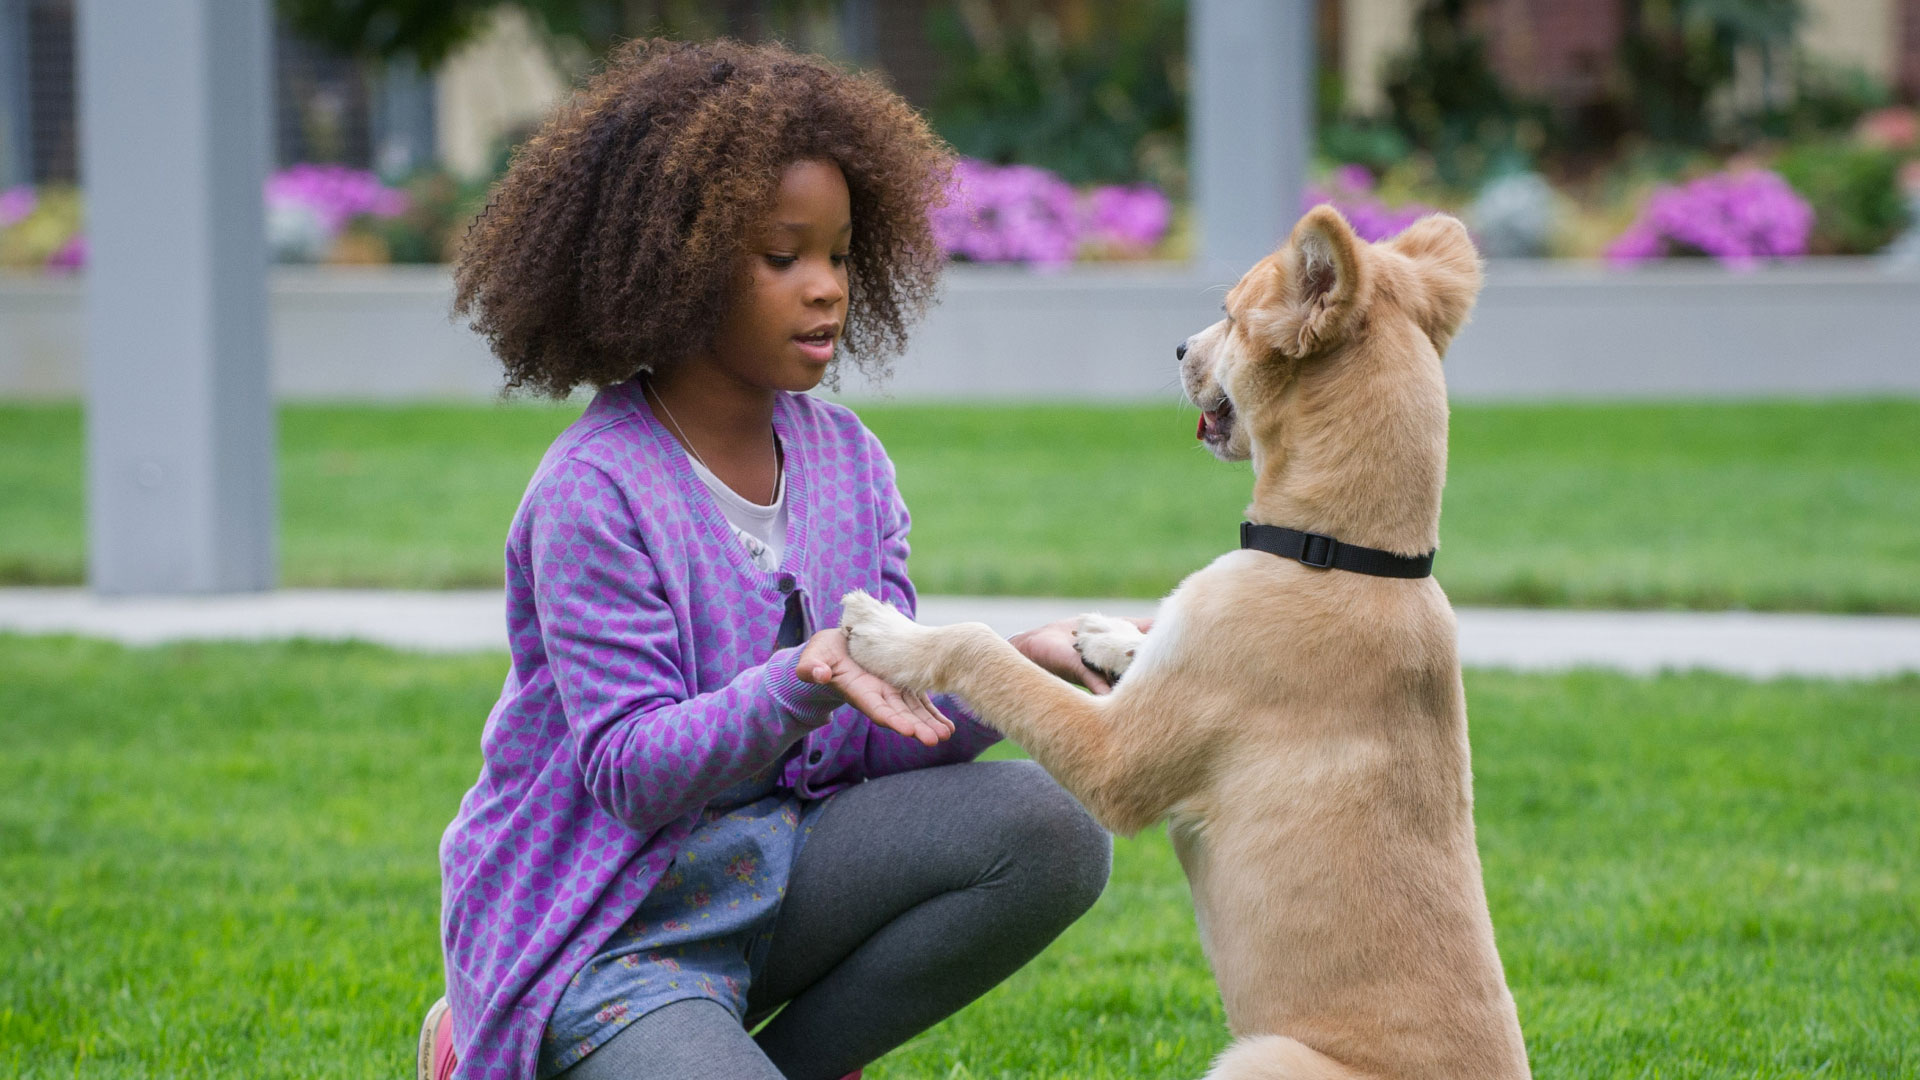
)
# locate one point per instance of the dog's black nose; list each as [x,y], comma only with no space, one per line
[1180,351]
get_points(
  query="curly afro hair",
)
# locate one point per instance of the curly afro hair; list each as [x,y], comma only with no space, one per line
[612,243]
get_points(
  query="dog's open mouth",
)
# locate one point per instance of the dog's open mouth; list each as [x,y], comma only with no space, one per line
[1216,424]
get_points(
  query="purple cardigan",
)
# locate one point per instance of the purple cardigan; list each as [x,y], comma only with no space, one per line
[644,681]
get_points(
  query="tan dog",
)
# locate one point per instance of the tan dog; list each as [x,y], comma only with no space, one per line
[1303,730]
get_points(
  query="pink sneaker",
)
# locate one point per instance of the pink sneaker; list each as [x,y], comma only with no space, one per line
[436,1043]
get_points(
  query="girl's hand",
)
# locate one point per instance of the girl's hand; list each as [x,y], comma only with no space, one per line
[1051,647]
[824,660]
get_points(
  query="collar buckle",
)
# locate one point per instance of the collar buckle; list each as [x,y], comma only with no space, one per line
[1317,551]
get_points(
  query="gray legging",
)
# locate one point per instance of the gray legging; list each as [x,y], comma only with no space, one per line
[915,894]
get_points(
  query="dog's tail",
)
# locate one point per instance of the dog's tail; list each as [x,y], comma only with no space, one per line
[1276,1057]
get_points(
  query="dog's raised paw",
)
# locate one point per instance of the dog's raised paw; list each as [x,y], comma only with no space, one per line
[1106,645]
[883,641]
[860,612]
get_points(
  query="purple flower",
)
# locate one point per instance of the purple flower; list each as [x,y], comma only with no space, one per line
[1011,213]
[71,256]
[335,194]
[1738,218]
[1351,193]
[1353,179]
[1129,219]
[1020,213]
[16,203]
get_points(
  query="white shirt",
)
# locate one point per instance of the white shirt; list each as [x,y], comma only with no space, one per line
[762,529]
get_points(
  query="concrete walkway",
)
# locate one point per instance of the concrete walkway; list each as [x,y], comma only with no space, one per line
[1534,640]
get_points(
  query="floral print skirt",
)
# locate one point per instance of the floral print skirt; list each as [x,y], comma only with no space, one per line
[702,932]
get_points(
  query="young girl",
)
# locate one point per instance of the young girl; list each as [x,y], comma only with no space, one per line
[693,808]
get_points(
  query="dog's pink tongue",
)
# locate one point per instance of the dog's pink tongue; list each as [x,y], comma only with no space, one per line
[1201,431]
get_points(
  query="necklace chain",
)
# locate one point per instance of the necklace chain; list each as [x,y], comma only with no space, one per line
[677,430]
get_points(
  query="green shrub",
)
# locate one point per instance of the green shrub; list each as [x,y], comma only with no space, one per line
[439,208]
[1097,102]
[1376,144]
[1828,99]
[1855,192]
[1447,100]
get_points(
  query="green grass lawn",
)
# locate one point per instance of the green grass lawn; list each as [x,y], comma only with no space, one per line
[218,861]
[1793,506]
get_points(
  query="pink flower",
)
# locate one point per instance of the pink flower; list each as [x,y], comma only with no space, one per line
[1012,213]
[1021,213]
[16,203]
[72,255]
[1353,179]
[1891,128]
[336,194]
[1131,219]
[1738,218]
[1351,193]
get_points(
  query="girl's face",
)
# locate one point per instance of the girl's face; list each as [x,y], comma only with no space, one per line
[785,322]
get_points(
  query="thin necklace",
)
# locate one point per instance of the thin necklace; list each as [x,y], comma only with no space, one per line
[684,441]
[688,443]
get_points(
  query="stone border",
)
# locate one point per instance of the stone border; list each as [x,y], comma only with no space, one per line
[1542,330]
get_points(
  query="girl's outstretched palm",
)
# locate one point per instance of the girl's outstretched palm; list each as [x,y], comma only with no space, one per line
[825,660]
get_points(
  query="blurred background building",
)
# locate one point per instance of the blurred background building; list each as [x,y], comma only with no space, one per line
[1551,126]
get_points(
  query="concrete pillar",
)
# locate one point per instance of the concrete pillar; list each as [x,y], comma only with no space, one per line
[1250,85]
[179,414]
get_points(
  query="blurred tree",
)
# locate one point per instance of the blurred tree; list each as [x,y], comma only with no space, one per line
[427,31]
[423,30]
[1677,53]
[1446,99]
[1095,91]
[599,24]
[1827,99]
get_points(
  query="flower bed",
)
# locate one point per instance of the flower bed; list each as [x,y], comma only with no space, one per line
[1738,218]
[1855,195]
[314,214]
[1025,214]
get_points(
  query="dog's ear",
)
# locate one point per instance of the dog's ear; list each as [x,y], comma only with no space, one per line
[1325,284]
[1448,268]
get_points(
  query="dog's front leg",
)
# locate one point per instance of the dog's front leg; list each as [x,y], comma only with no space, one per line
[906,654]
[1093,746]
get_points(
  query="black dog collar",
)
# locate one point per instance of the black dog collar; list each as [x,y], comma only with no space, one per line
[1324,552]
